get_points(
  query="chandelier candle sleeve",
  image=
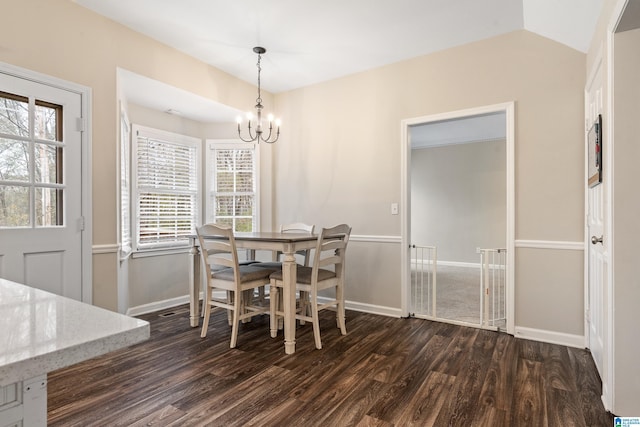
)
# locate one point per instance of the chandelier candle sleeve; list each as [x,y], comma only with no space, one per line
[257,134]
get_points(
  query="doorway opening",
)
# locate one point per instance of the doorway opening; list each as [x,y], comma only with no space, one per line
[458,226]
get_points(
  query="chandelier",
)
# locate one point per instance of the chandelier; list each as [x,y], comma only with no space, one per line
[257,135]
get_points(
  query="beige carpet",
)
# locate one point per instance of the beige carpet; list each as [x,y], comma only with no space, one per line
[457,295]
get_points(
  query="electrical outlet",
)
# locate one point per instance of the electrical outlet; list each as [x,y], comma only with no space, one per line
[394,209]
[478,250]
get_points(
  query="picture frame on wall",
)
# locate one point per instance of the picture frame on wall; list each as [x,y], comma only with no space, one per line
[594,147]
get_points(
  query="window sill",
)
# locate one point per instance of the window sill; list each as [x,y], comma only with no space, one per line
[160,252]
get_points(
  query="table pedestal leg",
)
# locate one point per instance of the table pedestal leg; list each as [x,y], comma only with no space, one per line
[289,302]
[194,283]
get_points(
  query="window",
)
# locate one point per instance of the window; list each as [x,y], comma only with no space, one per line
[166,175]
[31,153]
[232,184]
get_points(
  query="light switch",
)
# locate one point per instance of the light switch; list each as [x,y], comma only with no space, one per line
[394,209]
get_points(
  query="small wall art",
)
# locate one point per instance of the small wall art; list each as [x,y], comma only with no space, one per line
[594,145]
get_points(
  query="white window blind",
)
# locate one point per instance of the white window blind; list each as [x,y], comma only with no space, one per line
[232,184]
[166,182]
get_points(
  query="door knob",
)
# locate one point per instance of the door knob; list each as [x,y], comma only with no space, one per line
[595,240]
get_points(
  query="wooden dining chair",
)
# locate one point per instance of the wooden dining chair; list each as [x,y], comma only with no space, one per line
[326,272]
[297,227]
[237,282]
[276,263]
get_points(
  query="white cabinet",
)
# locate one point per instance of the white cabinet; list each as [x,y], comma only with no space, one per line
[24,403]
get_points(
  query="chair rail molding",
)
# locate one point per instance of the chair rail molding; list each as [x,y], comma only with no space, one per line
[550,244]
[105,249]
[375,239]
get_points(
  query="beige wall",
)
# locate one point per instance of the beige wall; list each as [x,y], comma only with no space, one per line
[545,277]
[459,198]
[340,156]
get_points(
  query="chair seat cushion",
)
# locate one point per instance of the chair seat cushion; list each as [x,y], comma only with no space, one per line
[247,273]
[274,265]
[304,275]
[216,267]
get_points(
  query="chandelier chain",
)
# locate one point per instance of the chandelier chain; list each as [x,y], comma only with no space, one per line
[259,99]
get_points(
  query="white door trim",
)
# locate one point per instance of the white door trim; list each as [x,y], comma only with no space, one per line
[608,385]
[509,109]
[85,96]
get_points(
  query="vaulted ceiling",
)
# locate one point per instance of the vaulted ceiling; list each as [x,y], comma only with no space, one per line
[313,41]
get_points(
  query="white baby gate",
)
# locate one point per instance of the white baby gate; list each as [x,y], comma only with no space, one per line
[493,281]
[423,280]
[491,285]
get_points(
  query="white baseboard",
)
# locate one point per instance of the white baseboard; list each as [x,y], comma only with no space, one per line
[157,306]
[372,309]
[605,397]
[349,305]
[459,264]
[569,340]
[551,337]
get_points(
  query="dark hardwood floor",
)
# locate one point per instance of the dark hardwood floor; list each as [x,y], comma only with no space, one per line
[384,372]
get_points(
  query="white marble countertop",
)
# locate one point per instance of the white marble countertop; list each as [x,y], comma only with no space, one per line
[41,332]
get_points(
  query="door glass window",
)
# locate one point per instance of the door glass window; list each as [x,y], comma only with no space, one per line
[31,160]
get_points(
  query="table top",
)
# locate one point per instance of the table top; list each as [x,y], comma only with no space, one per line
[275,236]
[41,332]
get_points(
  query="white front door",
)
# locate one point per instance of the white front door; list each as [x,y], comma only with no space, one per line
[40,186]
[597,244]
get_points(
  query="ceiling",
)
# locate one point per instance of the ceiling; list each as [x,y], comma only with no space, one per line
[630,19]
[309,42]
[478,128]
[160,96]
[313,41]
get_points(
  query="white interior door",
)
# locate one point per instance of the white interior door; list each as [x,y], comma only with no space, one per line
[597,244]
[40,186]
